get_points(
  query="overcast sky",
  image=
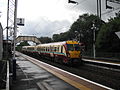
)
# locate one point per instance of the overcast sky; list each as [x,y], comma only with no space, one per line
[47,17]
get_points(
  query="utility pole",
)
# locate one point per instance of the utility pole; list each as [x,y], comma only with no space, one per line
[15,28]
[7,28]
[94,27]
[7,19]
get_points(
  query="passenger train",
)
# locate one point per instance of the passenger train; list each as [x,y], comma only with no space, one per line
[67,52]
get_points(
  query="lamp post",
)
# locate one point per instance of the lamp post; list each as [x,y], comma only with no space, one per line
[15,27]
[94,29]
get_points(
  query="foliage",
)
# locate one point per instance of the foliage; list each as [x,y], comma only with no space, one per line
[84,27]
[81,30]
[25,43]
[60,37]
[107,40]
[45,39]
[19,47]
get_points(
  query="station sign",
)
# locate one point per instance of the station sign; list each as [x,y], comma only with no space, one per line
[118,34]
[20,21]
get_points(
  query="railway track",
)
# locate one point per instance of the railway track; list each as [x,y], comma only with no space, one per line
[97,72]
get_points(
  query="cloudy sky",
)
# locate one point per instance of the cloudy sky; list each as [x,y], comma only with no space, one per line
[48,17]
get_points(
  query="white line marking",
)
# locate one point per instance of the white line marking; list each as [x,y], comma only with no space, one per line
[102,62]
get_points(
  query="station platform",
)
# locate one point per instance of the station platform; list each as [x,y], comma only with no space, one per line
[32,74]
[31,77]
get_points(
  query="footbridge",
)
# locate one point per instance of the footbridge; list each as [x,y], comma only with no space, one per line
[28,38]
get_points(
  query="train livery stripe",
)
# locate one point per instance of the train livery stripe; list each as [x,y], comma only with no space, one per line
[49,52]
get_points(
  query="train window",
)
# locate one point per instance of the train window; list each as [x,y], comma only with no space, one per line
[47,48]
[72,47]
[58,49]
[42,48]
[51,49]
[61,49]
[39,48]
[55,49]
[77,47]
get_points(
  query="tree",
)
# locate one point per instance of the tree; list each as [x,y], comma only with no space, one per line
[55,37]
[19,47]
[83,26]
[45,39]
[107,40]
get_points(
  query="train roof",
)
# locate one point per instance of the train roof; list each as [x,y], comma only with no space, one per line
[59,43]
[27,46]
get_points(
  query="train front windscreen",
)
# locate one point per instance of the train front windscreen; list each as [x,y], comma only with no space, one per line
[73,47]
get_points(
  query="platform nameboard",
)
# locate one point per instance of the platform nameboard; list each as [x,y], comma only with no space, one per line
[20,21]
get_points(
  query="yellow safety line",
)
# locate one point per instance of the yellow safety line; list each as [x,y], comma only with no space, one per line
[73,83]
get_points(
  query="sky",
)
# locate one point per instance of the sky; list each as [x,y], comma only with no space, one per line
[47,17]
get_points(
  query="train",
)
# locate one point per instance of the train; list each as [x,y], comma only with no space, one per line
[67,52]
